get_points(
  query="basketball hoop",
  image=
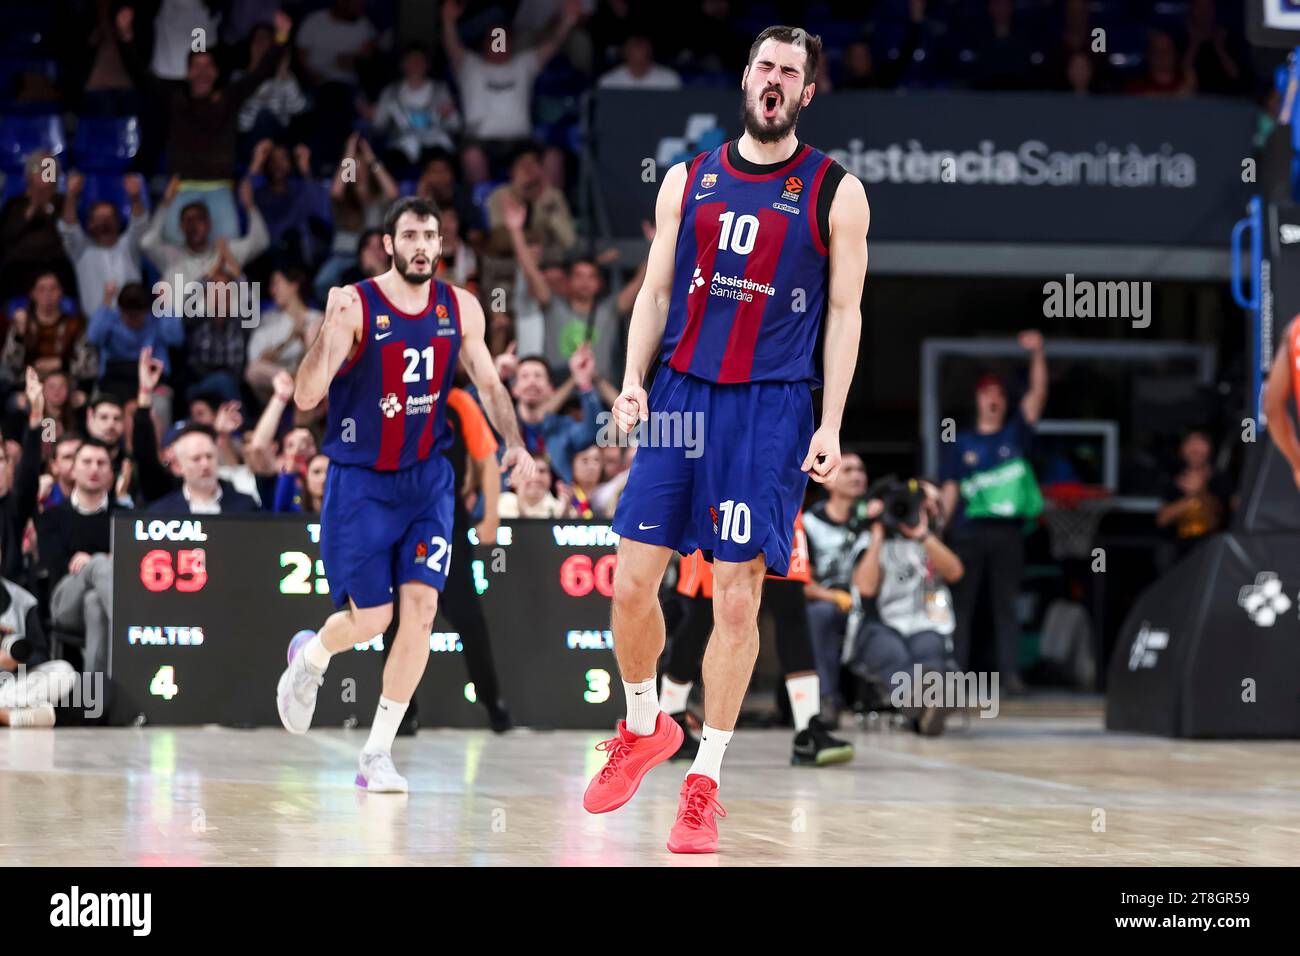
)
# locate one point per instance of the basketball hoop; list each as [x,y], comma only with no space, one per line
[1073,511]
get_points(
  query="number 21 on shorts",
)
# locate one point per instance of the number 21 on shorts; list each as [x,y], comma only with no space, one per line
[735,521]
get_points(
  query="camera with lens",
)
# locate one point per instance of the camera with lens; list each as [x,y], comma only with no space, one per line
[902,502]
[16,646]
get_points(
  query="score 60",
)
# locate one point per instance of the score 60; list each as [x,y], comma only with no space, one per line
[579,575]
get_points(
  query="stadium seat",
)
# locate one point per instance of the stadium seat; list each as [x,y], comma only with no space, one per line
[106,143]
[21,135]
[68,304]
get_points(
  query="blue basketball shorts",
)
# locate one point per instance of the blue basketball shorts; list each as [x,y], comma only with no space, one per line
[381,529]
[718,468]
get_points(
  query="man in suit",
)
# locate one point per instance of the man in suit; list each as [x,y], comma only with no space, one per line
[201,492]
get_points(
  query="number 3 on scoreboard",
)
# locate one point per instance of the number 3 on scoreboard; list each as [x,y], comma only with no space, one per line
[597,691]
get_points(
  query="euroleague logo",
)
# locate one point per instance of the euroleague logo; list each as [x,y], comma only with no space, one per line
[793,189]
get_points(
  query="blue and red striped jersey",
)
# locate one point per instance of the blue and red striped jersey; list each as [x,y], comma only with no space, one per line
[751,273]
[388,403]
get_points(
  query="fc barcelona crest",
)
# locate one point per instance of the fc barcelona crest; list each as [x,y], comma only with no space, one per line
[708,180]
[382,322]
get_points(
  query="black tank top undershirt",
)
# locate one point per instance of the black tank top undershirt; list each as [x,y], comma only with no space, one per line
[830,182]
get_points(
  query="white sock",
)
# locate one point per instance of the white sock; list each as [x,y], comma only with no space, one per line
[805,699]
[317,654]
[388,717]
[642,707]
[673,696]
[713,744]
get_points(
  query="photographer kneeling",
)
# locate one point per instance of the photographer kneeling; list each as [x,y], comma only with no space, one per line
[901,573]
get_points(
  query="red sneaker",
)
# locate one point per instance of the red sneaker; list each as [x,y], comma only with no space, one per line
[696,830]
[630,757]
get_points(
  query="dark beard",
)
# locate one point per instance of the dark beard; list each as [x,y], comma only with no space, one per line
[403,267]
[759,130]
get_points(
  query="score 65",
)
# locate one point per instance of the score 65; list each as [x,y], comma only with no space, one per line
[188,573]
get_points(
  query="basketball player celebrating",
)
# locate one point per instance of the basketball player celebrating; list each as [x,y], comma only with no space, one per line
[1283,388]
[760,249]
[387,354]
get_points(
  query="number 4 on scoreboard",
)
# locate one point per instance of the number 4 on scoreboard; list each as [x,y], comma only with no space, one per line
[164,683]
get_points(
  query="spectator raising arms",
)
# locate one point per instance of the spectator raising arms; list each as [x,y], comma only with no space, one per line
[496,87]
[990,489]
[199,256]
[103,253]
[362,190]
[545,431]
[295,208]
[202,122]
[415,114]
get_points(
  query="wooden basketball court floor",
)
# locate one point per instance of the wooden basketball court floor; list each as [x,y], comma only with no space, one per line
[1040,784]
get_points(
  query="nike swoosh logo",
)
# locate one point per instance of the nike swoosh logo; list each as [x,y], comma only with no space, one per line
[704,195]
[646,527]
[638,693]
[384,336]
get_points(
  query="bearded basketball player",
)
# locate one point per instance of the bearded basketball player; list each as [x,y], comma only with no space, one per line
[387,355]
[752,298]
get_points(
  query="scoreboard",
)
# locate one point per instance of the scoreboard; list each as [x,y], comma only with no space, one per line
[204,608]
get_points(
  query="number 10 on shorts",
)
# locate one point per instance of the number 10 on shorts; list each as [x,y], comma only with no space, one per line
[735,521]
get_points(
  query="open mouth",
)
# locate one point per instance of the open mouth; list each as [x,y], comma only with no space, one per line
[420,262]
[771,103]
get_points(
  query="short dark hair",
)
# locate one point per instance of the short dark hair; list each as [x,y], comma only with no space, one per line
[105,398]
[294,275]
[97,443]
[207,398]
[440,155]
[70,436]
[41,274]
[550,376]
[134,296]
[527,148]
[810,42]
[422,208]
[416,46]
[196,204]
[101,202]
[365,237]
